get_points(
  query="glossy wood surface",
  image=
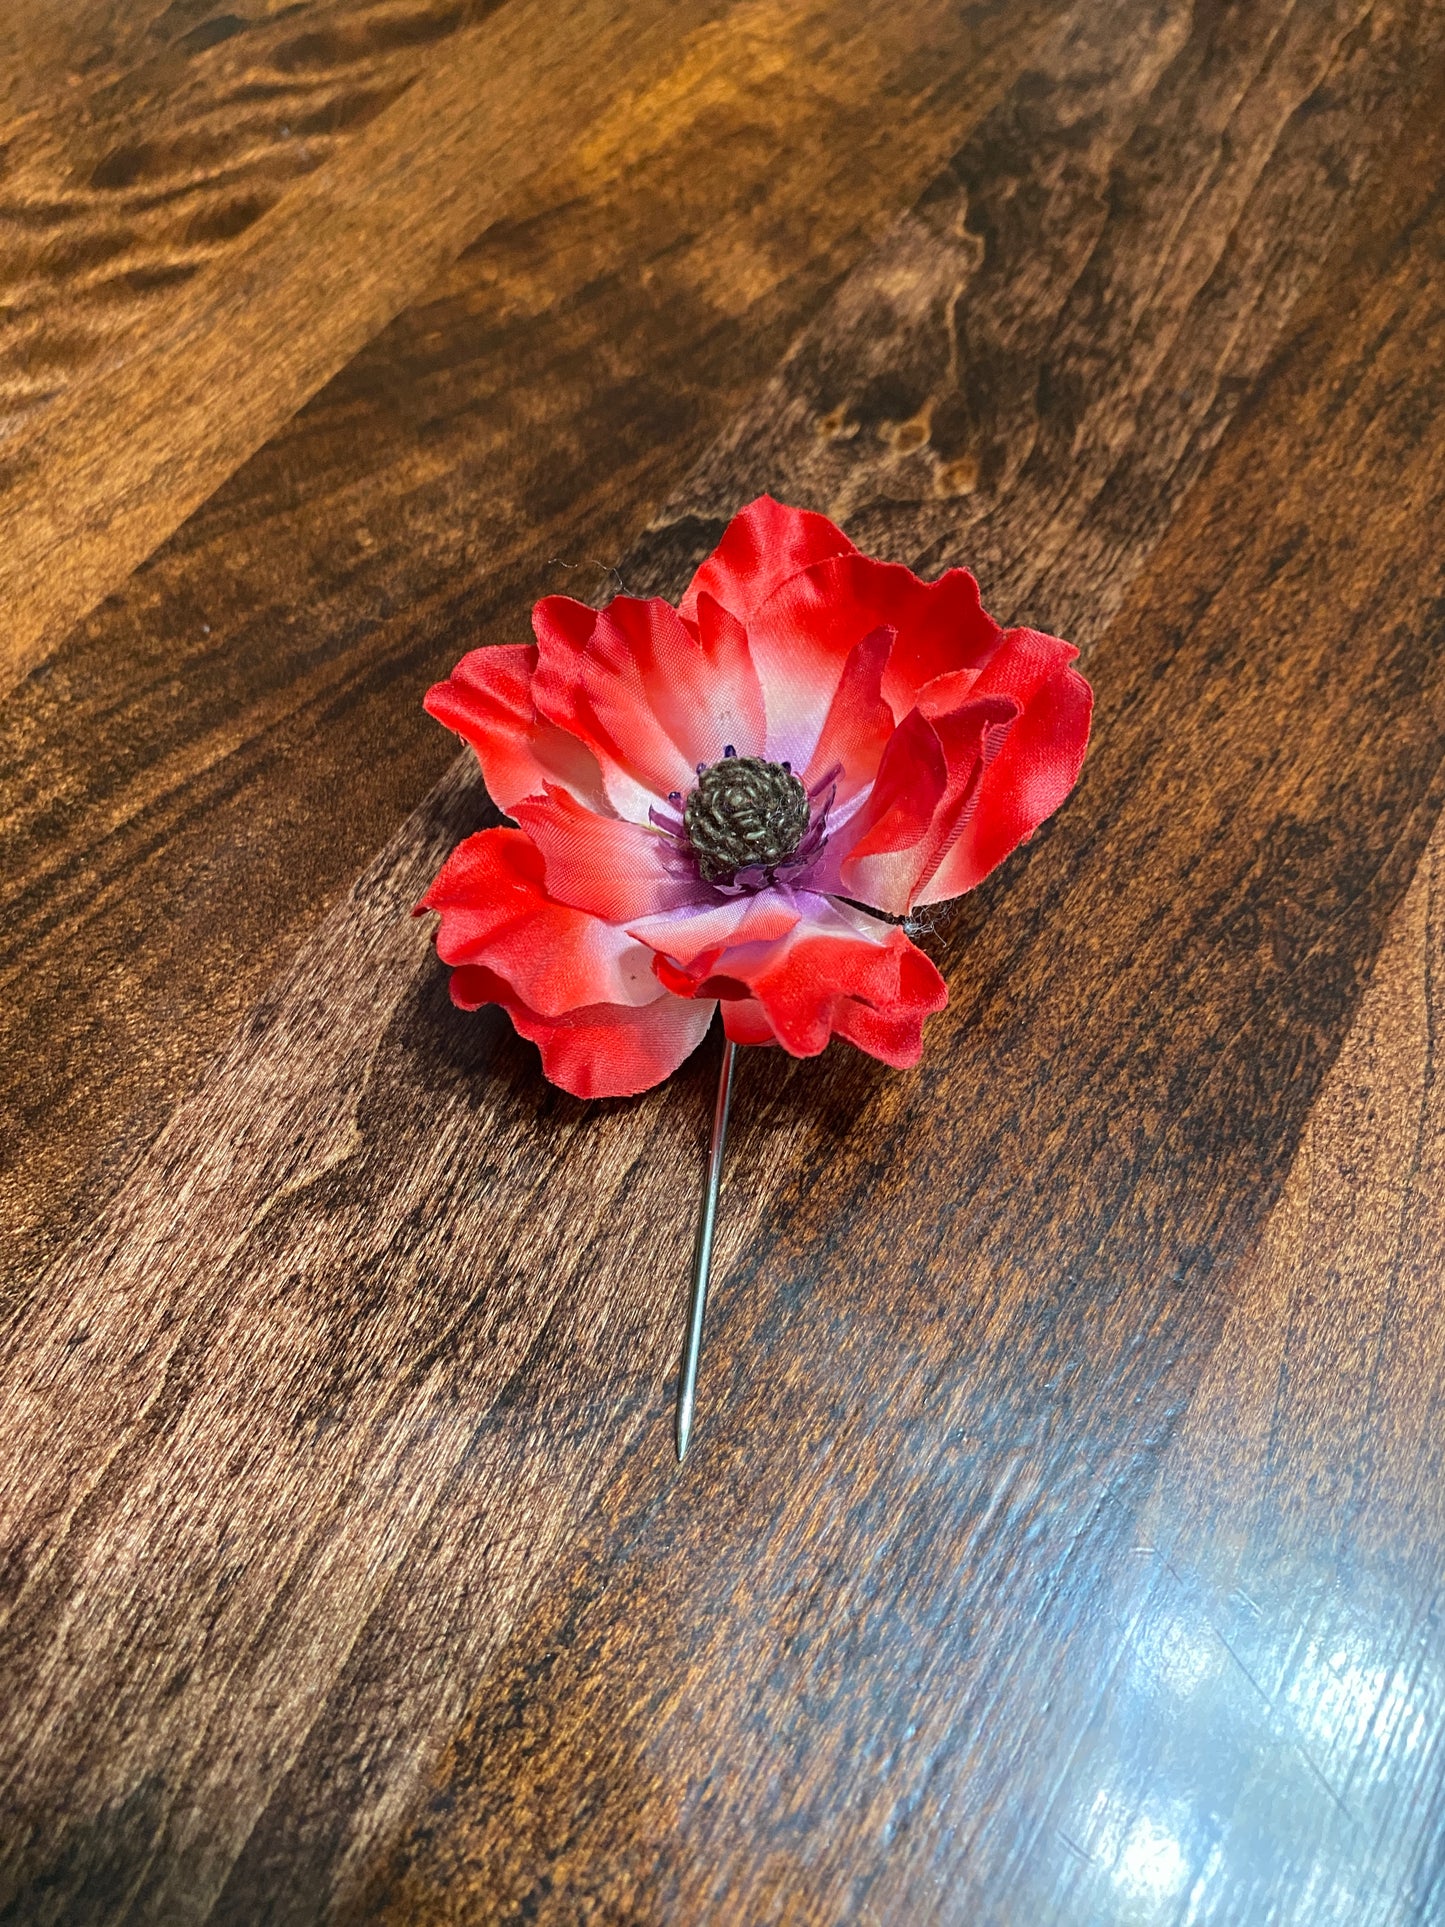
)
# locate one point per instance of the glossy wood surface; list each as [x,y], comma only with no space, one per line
[1062,1538]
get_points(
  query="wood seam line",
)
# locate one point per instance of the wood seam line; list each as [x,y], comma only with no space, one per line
[117,466]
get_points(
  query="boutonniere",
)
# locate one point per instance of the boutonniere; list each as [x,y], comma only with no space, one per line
[738,804]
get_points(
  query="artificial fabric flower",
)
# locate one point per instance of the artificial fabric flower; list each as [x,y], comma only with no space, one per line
[742,800]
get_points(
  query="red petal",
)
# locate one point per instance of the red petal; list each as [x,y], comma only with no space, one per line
[833,959]
[761,547]
[942,629]
[878,864]
[487,700]
[896,1034]
[859,722]
[638,652]
[495,912]
[803,635]
[670,698]
[651,697]
[809,982]
[746,1022]
[894,1037]
[564,629]
[682,983]
[699,929]
[1037,765]
[605,1050]
[737,695]
[605,864]
[927,791]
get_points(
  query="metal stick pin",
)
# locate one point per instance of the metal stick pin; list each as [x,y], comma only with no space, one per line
[702,1251]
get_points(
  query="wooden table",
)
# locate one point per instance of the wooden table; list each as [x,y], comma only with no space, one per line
[1062,1542]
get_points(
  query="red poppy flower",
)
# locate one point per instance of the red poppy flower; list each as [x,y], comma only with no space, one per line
[741,800]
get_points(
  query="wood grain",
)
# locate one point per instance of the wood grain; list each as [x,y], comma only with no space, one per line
[166,772]
[1065,325]
[142,140]
[344,1435]
[113,468]
[813,1701]
[1276,1676]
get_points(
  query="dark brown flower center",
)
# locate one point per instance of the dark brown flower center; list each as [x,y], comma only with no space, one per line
[744,812]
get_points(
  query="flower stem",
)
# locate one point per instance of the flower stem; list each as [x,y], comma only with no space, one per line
[702,1250]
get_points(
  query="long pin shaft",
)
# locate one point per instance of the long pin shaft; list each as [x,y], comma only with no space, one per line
[702,1251]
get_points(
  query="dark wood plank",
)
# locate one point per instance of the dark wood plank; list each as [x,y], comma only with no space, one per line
[1268,1669]
[784,1693]
[1037,367]
[167,772]
[373,1345]
[927,1662]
